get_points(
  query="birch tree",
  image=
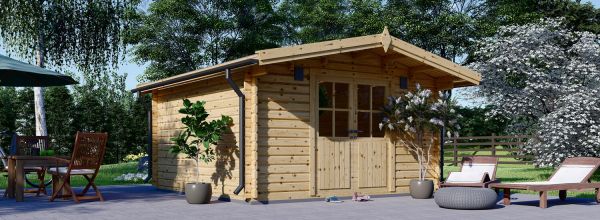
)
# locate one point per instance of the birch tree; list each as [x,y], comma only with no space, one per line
[80,33]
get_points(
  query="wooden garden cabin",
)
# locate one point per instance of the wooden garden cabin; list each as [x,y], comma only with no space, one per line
[311,119]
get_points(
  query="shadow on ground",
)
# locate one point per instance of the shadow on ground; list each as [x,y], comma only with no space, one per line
[112,194]
[147,202]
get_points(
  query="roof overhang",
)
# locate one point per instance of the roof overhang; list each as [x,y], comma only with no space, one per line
[464,76]
[181,78]
[384,40]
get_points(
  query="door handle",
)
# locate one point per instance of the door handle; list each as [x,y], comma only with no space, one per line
[353,134]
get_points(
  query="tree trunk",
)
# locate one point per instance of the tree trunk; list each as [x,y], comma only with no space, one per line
[40,112]
[38,95]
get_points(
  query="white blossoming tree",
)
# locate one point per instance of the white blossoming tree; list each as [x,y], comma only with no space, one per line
[546,79]
[413,119]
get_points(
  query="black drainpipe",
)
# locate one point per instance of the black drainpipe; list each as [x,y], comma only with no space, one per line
[442,141]
[149,139]
[442,131]
[242,131]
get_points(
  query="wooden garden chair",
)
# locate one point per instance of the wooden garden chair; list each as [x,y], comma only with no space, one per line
[477,171]
[86,159]
[31,146]
[573,174]
[4,160]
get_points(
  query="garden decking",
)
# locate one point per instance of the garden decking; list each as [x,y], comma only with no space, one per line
[146,202]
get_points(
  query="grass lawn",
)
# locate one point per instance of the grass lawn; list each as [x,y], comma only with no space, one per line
[105,177]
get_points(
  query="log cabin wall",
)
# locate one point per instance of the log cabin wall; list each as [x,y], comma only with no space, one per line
[283,135]
[286,158]
[171,171]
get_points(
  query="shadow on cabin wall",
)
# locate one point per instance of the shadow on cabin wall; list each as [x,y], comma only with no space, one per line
[225,163]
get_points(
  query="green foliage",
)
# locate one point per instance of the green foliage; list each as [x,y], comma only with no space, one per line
[103,104]
[134,157]
[579,16]
[177,36]
[479,121]
[25,112]
[83,33]
[8,115]
[106,176]
[60,106]
[441,26]
[314,20]
[100,103]
[199,135]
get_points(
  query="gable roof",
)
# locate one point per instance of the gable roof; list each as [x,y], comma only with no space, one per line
[324,48]
[384,40]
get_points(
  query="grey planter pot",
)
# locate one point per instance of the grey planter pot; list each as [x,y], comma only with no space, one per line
[421,189]
[198,193]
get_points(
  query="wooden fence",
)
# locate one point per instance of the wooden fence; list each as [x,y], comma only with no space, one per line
[507,148]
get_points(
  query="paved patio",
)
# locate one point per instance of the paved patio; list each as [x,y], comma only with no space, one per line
[146,202]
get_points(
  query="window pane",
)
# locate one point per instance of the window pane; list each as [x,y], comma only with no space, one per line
[377,117]
[325,94]
[341,124]
[378,97]
[341,95]
[325,126]
[364,93]
[363,124]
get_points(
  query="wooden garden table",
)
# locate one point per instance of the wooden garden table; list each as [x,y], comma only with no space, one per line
[16,174]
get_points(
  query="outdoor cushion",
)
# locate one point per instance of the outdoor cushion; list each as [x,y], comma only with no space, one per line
[531,183]
[566,174]
[63,170]
[571,174]
[465,198]
[465,177]
[478,168]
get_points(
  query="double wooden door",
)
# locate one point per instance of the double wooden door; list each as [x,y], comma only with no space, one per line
[351,149]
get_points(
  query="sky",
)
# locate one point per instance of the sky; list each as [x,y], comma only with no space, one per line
[133,70]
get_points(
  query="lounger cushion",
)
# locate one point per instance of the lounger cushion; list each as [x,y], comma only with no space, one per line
[479,168]
[465,198]
[571,174]
[465,177]
[530,183]
[63,170]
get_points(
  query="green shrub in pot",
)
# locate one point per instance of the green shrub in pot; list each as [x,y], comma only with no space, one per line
[196,141]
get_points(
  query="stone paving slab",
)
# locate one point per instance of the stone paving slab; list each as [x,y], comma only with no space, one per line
[146,202]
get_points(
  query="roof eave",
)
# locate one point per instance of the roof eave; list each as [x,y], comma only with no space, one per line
[233,64]
[435,61]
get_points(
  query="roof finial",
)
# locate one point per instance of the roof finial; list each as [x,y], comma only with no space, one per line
[386,39]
